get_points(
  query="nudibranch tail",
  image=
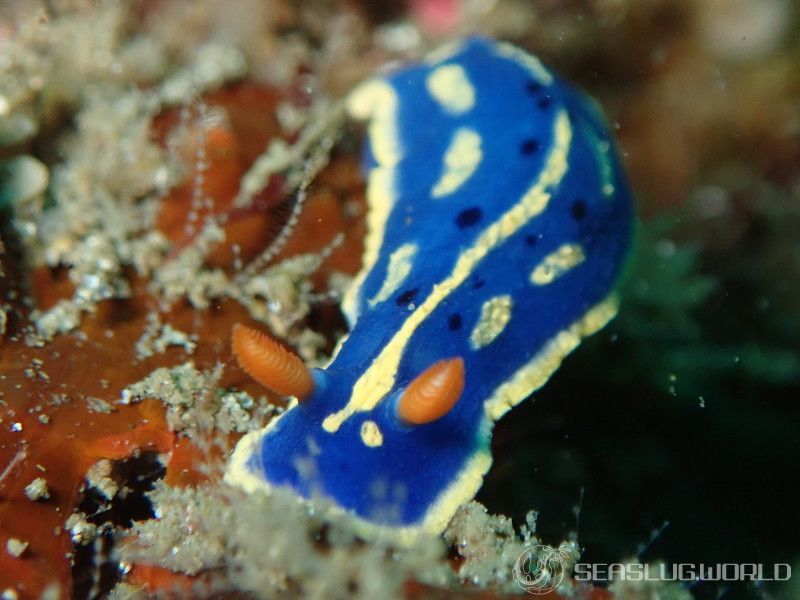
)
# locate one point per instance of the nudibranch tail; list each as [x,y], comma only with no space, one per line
[433,393]
[270,364]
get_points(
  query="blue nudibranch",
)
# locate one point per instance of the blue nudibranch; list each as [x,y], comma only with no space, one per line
[499,221]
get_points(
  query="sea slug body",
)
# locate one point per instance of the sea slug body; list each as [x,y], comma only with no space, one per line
[499,222]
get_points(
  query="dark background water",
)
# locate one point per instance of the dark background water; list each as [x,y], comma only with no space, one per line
[656,473]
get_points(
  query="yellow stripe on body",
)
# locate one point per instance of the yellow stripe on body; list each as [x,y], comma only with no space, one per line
[450,86]
[557,263]
[495,315]
[533,375]
[400,265]
[602,150]
[371,434]
[461,160]
[377,101]
[532,64]
[379,377]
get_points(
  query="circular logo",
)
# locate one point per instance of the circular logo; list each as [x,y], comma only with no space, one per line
[541,569]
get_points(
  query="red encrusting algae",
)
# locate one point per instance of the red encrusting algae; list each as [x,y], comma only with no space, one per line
[59,409]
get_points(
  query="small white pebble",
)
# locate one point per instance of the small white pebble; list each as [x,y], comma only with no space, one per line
[37,489]
[51,592]
[16,547]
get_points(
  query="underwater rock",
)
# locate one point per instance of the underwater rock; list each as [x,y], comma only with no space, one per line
[23,179]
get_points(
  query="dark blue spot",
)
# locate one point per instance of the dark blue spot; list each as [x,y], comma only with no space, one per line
[477,282]
[406,297]
[454,322]
[533,87]
[578,209]
[531,240]
[468,217]
[529,146]
[544,103]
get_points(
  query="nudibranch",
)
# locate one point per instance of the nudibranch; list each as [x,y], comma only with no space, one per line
[499,223]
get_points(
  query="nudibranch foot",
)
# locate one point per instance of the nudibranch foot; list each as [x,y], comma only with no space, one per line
[499,223]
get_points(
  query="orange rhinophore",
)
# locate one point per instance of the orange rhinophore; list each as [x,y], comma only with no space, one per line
[433,393]
[270,364]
